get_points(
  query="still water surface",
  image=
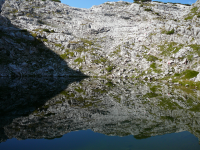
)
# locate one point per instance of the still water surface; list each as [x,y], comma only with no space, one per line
[84,114]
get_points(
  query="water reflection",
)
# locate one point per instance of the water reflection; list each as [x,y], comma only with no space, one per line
[20,97]
[114,108]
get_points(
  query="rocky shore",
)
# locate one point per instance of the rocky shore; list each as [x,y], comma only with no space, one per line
[115,39]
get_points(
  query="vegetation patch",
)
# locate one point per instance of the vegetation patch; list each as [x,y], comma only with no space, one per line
[188,74]
[196,48]
[170,47]
[193,13]
[58,45]
[87,42]
[151,58]
[117,51]
[63,56]
[147,9]
[67,52]
[101,60]
[110,68]
[45,40]
[167,32]
[170,32]
[56,1]
[34,34]
[154,67]
[46,30]
[184,79]
[78,60]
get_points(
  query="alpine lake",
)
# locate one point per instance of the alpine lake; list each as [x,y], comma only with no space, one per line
[67,113]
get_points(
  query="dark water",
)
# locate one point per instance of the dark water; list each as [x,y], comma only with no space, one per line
[88,140]
[84,114]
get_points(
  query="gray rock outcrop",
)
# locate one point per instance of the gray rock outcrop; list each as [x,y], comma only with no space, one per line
[113,39]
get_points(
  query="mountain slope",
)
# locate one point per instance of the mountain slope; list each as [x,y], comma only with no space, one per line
[114,39]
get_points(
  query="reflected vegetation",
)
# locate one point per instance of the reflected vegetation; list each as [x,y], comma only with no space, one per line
[49,108]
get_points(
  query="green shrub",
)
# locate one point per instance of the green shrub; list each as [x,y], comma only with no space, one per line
[192,13]
[63,56]
[153,65]
[189,17]
[170,32]
[147,9]
[57,1]
[158,1]
[58,45]
[85,41]
[187,4]
[110,68]
[194,10]
[98,61]
[190,74]
[34,35]
[190,57]
[78,60]
[46,30]
[151,58]
[45,40]
[196,48]
[170,47]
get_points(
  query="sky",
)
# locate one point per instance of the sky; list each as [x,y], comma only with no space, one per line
[90,3]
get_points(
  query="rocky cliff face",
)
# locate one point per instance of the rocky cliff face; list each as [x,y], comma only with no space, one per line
[117,107]
[113,39]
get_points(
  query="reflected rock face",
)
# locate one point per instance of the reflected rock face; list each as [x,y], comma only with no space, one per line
[117,107]
[21,96]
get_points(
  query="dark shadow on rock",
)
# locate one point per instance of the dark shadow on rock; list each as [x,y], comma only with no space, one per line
[21,54]
[23,96]
[23,57]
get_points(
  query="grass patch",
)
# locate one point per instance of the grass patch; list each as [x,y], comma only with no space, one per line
[168,48]
[63,56]
[117,51]
[98,61]
[87,42]
[163,31]
[45,40]
[196,48]
[151,58]
[188,74]
[147,9]
[185,75]
[170,32]
[110,68]
[46,30]
[67,52]
[154,67]
[34,35]
[78,60]
[192,13]
[58,45]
